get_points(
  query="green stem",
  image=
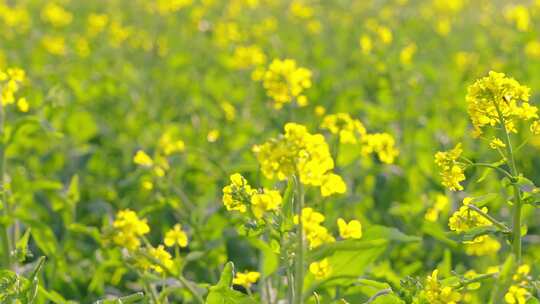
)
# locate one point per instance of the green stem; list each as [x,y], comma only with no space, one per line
[4,227]
[516,217]
[299,256]
[506,173]
[495,222]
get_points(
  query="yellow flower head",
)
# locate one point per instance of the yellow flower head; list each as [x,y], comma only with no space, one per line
[316,234]
[451,169]
[320,269]
[496,143]
[56,15]
[268,200]
[349,130]
[237,195]
[10,83]
[436,293]
[128,228]
[284,81]
[142,159]
[332,183]
[351,230]
[516,295]
[176,236]
[497,99]
[298,152]
[246,57]
[383,144]
[246,279]
[163,257]
[466,219]
[482,245]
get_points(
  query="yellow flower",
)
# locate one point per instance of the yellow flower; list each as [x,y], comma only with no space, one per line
[128,228]
[56,45]
[466,219]
[441,202]
[213,135]
[297,152]
[246,279]
[482,245]
[496,143]
[316,234]
[332,183]
[143,159]
[169,145]
[351,230]
[516,295]
[436,293]
[320,110]
[56,15]
[365,44]
[246,57]
[237,195]
[268,200]
[22,105]
[284,82]
[407,53]
[383,144]
[451,169]
[497,96]
[97,23]
[349,130]
[320,269]
[519,14]
[163,257]
[176,236]
[521,273]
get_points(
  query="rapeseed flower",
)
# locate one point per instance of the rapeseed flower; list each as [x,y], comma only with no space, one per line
[285,82]
[451,169]
[497,97]
[320,269]
[176,236]
[128,229]
[267,200]
[298,152]
[436,293]
[246,279]
[350,230]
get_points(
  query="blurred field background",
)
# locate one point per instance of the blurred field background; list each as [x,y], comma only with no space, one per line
[109,78]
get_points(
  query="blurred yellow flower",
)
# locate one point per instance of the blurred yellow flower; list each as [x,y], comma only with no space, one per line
[143,159]
[176,236]
[246,279]
[320,269]
[350,230]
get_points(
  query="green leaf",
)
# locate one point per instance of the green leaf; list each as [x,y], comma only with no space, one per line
[222,292]
[270,260]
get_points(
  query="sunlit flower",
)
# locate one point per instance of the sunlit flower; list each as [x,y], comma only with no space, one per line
[320,269]
[176,236]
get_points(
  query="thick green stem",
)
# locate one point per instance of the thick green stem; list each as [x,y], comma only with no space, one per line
[516,216]
[299,256]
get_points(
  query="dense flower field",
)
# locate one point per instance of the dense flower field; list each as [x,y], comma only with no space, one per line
[269,151]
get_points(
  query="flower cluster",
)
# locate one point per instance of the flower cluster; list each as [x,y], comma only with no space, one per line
[518,293]
[482,245]
[352,131]
[315,233]
[349,130]
[239,195]
[466,219]
[245,57]
[320,269]
[298,152]
[451,170]
[285,82]
[10,83]
[497,97]
[383,144]
[128,229]
[246,279]
[436,293]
